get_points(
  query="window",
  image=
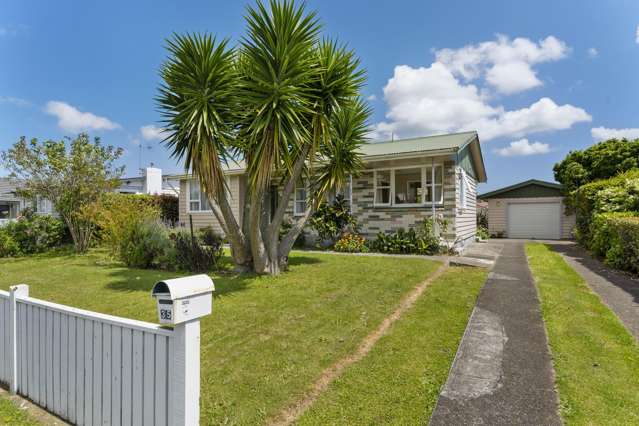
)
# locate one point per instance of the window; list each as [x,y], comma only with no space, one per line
[463,188]
[197,198]
[299,205]
[408,186]
[439,179]
[382,187]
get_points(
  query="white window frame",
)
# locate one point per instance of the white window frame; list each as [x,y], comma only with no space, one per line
[296,200]
[199,200]
[424,170]
[463,189]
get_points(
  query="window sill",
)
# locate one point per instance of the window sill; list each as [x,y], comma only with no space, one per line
[199,211]
[406,206]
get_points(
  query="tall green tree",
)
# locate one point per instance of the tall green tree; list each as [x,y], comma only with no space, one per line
[285,101]
[72,174]
[600,161]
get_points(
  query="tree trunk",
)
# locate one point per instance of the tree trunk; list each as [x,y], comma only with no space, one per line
[240,246]
[260,259]
[286,245]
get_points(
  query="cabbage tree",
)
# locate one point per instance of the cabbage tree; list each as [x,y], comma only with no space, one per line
[284,100]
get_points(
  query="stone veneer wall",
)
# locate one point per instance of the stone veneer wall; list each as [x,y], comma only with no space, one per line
[373,220]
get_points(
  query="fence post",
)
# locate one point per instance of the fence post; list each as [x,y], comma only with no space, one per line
[21,290]
[186,374]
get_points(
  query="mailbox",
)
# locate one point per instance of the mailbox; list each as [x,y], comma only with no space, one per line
[184,299]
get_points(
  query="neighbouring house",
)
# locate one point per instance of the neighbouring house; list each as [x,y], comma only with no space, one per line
[11,204]
[530,209]
[151,182]
[403,183]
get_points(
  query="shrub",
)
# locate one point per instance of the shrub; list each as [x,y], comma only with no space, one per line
[351,243]
[146,245]
[620,193]
[118,216]
[191,255]
[8,246]
[31,233]
[212,239]
[332,219]
[421,240]
[482,232]
[615,237]
[169,207]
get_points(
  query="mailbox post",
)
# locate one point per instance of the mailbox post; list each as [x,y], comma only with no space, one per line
[181,302]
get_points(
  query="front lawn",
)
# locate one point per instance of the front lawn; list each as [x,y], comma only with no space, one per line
[400,379]
[596,360]
[268,338]
[10,414]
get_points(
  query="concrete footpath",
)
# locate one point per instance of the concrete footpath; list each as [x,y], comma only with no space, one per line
[617,290]
[502,374]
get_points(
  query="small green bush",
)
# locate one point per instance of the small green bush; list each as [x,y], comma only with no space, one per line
[30,234]
[332,219]
[620,193]
[146,245]
[351,243]
[615,237]
[482,232]
[191,255]
[420,240]
[8,246]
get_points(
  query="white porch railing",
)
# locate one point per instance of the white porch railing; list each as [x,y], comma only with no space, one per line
[89,368]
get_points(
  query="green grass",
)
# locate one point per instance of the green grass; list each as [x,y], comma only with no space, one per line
[10,414]
[596,360]
[399,381]
[268,338]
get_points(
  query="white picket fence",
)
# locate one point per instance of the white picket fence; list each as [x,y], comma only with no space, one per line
[95,369]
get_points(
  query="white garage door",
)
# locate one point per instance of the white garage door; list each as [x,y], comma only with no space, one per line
[534,220]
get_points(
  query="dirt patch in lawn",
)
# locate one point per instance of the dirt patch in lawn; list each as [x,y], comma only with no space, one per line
[294,411]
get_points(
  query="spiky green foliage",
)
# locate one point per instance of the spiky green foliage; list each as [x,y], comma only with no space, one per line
[283,100]
[197,100]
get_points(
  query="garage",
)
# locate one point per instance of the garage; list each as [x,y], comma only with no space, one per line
[534,220]
[533,209]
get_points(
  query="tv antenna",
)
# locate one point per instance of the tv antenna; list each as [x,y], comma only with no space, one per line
[143,146]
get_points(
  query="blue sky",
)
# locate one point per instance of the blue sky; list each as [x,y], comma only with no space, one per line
[536,79]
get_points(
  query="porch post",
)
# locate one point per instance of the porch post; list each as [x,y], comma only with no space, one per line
[432,191]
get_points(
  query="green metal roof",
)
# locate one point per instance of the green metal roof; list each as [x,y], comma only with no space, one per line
[532,188]
[450,142]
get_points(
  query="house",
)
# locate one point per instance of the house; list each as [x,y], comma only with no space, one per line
[11,204]
[404,182]
[151,182]
[530,209]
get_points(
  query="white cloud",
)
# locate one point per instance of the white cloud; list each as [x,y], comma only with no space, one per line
[14,101]
[523,148]
[371,98]
[12,30]
[603,133]
[73,120]
[593,53]
[152,132]
[432,100]
[506,64]
[637,35]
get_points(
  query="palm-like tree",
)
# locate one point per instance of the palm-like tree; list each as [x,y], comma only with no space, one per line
[283,100]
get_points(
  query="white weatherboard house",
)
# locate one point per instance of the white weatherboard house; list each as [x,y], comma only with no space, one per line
[530,209]
[404,181]
[11,204]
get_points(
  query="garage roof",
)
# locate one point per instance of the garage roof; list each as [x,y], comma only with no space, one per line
[532,188]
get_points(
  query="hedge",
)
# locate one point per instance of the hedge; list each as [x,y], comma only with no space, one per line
[615,237]
[617,194]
